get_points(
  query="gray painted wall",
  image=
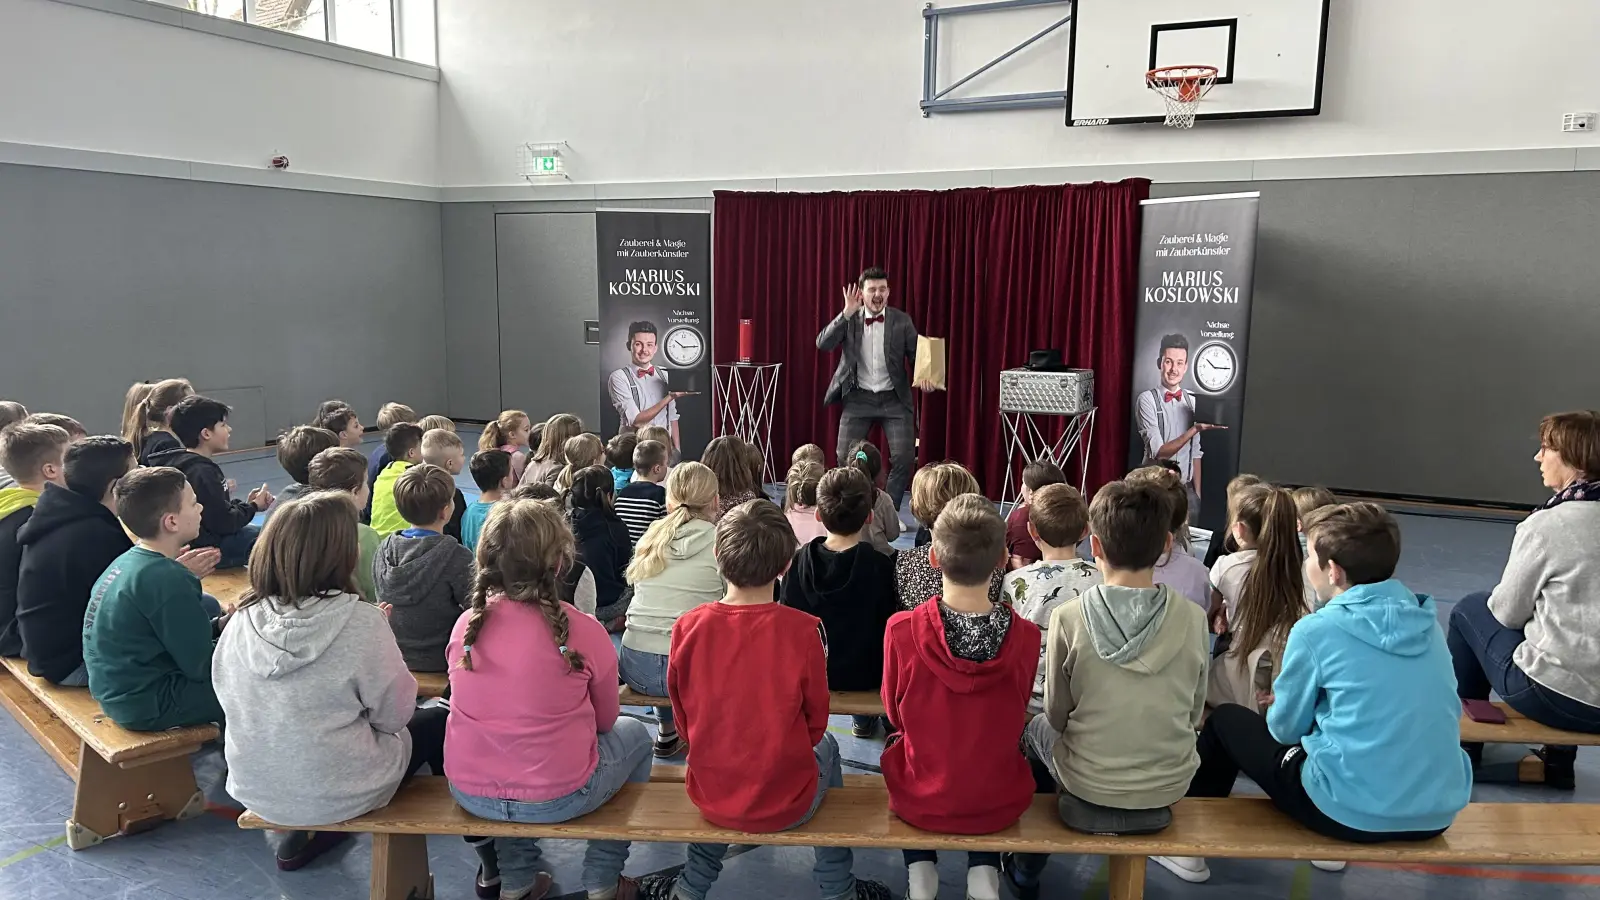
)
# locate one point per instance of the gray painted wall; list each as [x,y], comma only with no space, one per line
[272,299]
[1409,333]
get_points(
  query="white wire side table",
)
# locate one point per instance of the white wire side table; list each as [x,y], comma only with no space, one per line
[1025,441]
[746,399]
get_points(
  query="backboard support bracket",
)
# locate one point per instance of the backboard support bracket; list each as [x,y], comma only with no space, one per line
[936,99]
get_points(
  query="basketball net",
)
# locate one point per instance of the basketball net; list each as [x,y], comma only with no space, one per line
[1181,89]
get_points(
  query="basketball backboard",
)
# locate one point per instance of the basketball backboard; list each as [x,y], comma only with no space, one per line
[1268,53]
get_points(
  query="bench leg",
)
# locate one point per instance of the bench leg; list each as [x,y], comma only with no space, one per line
[1127,878]
[400,867]
[111,800]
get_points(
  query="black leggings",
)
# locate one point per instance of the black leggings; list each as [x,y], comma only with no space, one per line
[1236,739]
[427,741]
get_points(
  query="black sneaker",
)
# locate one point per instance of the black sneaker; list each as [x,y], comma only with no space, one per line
[872,890]
[1014,874]
[656,887]
[1559,767]
[486,888]
[302,847]
[670,746]
[864,728]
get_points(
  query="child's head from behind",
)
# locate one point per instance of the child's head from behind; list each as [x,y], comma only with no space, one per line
[523,550]
[71,426]
[153,405]
[808,452]
[1349,544]
[158,502]
[619,450]
[650,460]
[693,486]
[726,458]
[800,485]
[844,500]
[754,544]
[1309,499]
[558,429]
[12,412]
[510,429]
[661,434]
[1273,595]
[537,490]
[340,469]
[201,423]
[691,495]
[969,541]
[1057,516]
[593,488]
[443,449]
[92,466]
[392,414]
[1130,526]
[936,485]
[584,450]
[308,550]
[866,456]
[34,454]
[403,442]
[299,445]
[491,470]
[1038,473]
[424,495]
[1171,482]
[429,423]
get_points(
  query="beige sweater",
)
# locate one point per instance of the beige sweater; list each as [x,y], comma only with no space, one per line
[1127,728]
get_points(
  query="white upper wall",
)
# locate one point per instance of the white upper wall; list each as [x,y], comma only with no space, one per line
[645,90]
[91,80]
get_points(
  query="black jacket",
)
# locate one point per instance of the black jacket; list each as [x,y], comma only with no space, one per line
[10,560]
[603,547]
[452,528]
[853,593]
[154,444]
[66,545]
[221,515]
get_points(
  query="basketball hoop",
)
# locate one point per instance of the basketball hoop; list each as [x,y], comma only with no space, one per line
[1181,88]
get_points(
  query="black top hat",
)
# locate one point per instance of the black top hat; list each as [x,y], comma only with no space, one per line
[1046,361]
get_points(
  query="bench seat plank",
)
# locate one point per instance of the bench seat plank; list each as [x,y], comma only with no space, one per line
[431,684]
[858,816]
[46,727]
[226,586]
[1519,729]
[110,741]
[840,703]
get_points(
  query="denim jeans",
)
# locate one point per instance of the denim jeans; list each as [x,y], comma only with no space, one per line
[236,547]
[211,605]
[624,757]
[832,869]
[647,674]
[78,678]
[1481,649]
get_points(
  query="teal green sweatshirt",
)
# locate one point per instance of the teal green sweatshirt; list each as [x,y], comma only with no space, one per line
[147,644]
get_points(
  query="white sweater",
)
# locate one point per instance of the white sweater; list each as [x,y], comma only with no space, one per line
[1551,590]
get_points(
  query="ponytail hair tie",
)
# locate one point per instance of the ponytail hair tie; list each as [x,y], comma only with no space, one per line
[861,455]
[563,649]
[466,648]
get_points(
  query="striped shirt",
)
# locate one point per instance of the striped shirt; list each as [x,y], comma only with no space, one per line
[639,504]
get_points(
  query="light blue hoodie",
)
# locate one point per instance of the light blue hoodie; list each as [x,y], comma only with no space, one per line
[1367,688]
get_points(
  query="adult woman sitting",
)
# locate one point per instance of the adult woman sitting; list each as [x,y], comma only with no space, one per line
[1535,639]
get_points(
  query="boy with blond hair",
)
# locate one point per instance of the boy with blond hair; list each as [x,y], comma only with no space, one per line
[746,666]
[296,448]
[33,456]
[443,448]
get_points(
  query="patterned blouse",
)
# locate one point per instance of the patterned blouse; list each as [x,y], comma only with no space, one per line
[729,502]
[918,581]
[975,636]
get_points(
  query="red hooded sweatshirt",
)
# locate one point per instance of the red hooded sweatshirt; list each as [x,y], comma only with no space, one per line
[957,765]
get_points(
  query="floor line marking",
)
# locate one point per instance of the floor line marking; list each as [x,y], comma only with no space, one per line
[33,851]
[1486,873]
[1300,883]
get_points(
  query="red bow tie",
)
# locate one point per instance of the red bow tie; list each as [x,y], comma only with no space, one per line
[645,373]
[872,320]
[1175,395]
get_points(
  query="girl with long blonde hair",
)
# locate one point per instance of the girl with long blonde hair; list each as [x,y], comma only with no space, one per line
[672,572]
[144,416]
[532,679]
[580,452]
[546,460]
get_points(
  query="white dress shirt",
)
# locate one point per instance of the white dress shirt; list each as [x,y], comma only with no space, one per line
[631,394]
[1161,419]
[872,372]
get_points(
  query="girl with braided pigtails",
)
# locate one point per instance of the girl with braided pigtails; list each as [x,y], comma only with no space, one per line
[534,733]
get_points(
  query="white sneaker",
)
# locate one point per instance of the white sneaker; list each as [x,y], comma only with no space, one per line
[922,881]
[1328,865]
[1192,869]
[983,883]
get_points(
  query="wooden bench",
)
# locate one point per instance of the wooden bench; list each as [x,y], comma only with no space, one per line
[431,684]
[843,703]
[857,815]
[226,586]
[127,781]
[1520,729]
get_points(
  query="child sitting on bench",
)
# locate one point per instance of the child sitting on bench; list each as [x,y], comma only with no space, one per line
[147,634]
[1361,737]
[957,672]
[746,667]
[535,735]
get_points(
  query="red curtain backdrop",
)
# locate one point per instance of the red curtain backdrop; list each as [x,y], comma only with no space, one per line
[995,271]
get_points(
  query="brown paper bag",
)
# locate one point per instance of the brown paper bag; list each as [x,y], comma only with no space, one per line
[928,372]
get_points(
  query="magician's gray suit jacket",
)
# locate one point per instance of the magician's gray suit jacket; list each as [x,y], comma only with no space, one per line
[899,345]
